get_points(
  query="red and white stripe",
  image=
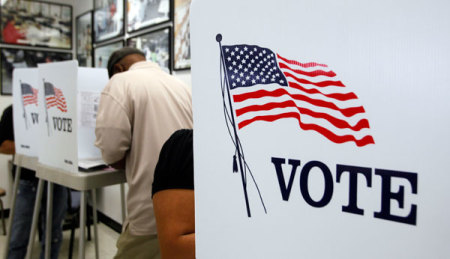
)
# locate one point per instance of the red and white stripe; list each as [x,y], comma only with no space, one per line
[31,98]
[315,97]
[57,100]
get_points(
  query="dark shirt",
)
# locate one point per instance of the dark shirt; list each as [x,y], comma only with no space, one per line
[175,167]
[7,133]
[6,125]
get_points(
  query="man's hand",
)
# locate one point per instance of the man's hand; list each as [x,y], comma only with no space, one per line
[8,147]
[119,164]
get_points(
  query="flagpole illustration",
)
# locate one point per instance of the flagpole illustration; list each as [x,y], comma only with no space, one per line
[46,111]
[244,180]
[23,106]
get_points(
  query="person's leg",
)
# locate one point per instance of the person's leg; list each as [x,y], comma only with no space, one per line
[20,230]
[60,203]
[59,212]
[137,247]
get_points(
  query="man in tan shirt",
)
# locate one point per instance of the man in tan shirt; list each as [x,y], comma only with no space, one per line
[140,107]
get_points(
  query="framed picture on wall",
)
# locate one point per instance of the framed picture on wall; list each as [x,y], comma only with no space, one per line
[18,58]
[36,23]
[144,13]
[102,53]
[108,19]
[155,45]
[84,39]
[182,43]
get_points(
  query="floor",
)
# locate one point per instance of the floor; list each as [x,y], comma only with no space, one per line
[107,244]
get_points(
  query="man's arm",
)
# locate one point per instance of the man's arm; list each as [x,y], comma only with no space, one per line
[113,131]
[175,222]
[8,147]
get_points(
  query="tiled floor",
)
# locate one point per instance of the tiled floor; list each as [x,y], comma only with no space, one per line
[107,244]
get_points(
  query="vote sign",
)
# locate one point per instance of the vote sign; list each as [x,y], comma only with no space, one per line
[26,111]
[320,128]
[70,97]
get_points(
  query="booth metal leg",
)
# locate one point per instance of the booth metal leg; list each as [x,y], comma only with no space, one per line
[82,238]
[122,201]
[48,225]
[37,207]
[3,217]
[94,211]
[12,210]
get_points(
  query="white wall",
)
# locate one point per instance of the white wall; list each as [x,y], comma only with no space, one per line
[82,6]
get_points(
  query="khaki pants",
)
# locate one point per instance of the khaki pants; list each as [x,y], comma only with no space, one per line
[137,247]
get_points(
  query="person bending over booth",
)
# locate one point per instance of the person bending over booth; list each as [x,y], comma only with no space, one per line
[140,107]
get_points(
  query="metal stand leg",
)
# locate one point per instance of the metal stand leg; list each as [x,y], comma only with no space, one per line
[37,207]
[48,226]
[122,200]
[3,217]
[13,205]
[82,225]
[94,211]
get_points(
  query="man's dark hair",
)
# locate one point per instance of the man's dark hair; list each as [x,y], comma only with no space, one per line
[117,55]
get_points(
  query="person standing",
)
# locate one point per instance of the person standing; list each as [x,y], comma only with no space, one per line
[140,107]
[25,200]
[173,196]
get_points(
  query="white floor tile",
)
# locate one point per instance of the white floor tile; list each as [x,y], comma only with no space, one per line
[107,244]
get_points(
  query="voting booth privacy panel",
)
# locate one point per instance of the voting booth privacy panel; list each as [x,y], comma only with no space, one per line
[26,111]
[321,128]
[68,98]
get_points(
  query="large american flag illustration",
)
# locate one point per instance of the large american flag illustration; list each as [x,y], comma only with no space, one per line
[266,86]
[29,94]
[54,97]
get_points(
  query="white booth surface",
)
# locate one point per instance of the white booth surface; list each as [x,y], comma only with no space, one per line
[26,111]
[70,97]
[321,128]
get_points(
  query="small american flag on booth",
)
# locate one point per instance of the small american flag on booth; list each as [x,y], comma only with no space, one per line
[54,97]
[266,86]
[29,94]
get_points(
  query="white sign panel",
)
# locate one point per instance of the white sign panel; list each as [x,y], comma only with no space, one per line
[59,115]
[71,95]
[321,128]
[91,82]
[26,114]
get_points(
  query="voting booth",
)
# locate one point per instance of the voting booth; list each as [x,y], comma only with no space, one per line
[70,96]
[329,128]
[55,109]
[26,111]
